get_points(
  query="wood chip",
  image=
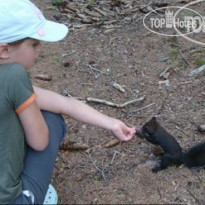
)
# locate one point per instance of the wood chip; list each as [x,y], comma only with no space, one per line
[100,11]
[118,87]
[92,13]
[109,30]
[43,77]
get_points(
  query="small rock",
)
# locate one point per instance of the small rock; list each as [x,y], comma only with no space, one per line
[150,163]
[164,83]
[201,128]
[127,20]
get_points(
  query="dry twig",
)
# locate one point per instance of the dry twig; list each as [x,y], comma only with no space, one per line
[145,107]
[165,73]
[100,170]
[95,100]
[185,60]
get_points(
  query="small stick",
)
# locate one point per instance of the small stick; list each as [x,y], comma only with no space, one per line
[95,69]
[143,107]
[95,100]
[183,131]
[100,170]
[164,73]
[64,160]
[114,155]
[197,71]
[158,189]
[198,177]
[185,60]
[191,194]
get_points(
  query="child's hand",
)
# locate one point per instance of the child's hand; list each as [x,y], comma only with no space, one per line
[122,131]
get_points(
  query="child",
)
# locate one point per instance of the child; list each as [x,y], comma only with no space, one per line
[31,125]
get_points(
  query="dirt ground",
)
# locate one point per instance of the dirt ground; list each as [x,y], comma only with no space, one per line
[87,64]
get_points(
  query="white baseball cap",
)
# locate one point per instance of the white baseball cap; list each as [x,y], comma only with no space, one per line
[21,19]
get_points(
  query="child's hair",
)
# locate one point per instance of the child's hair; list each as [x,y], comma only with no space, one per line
[22,19]
[18,42]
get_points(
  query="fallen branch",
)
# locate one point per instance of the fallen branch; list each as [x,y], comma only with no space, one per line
[197,71]
[95,100]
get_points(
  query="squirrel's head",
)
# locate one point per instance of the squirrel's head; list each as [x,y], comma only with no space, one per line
[148,128]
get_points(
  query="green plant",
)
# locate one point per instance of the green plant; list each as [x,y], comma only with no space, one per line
[199,51]
[199,62]
[57,2]
[173,53]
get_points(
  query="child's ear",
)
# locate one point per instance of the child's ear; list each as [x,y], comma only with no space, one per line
[4,51]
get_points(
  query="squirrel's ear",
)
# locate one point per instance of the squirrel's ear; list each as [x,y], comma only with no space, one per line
[154,119]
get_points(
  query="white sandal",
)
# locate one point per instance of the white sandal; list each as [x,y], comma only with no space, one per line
[51,196]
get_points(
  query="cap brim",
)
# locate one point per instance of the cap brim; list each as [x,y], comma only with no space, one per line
[51,32]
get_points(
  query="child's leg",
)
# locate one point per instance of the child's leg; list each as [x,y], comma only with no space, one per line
[38,166]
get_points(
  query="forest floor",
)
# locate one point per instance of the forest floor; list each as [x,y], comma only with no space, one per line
[119,61]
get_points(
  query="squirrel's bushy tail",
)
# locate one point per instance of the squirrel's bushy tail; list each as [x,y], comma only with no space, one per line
[195,157]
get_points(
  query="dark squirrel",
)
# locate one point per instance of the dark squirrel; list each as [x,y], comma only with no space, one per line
[173,154]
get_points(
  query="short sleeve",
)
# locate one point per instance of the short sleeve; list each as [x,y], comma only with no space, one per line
[20,90]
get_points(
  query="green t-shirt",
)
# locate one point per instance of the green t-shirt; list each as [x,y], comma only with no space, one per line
[16,93]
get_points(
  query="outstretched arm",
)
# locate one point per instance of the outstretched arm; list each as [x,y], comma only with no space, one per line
[54,102]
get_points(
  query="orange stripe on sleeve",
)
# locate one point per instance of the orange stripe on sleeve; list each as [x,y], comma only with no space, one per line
[26,103]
